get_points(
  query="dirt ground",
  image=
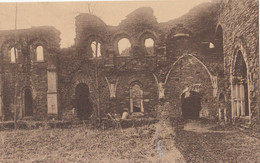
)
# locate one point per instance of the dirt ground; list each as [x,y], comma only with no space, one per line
[211,143]
[194,143]
[79,144]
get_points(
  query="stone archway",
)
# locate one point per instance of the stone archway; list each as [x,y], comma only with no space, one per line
[83,103]
[191,105]
[28,102]
[240,104]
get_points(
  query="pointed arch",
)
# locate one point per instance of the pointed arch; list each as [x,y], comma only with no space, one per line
[240,84]
[181,57]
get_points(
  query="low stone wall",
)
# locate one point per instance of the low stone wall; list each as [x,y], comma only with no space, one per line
[105,124]
[7,125]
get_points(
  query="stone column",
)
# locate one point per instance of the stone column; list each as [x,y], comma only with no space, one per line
[239,99]
[219,113]
[234,106]
[225,114]
[161,90]
[142,102]
[131,101]
[242,96]
[112,88]
[52,94]
[214,80]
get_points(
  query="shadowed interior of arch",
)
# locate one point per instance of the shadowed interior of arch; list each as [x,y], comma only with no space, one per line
[28,101]
[136,96]
[83,104]
[219,42]
[240,74]
[191,105]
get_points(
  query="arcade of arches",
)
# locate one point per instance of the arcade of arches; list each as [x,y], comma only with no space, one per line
[136,64]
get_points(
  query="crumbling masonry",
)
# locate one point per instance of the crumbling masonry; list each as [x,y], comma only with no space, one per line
[204,64]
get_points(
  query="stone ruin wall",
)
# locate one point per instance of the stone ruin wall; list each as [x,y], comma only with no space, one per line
[31,74]
[182,61]
[172,41]
[239,21]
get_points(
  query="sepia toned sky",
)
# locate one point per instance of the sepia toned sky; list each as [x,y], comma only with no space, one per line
[61,15]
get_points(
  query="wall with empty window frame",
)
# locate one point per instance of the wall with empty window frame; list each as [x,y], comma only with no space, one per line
[36,50]
[164,63]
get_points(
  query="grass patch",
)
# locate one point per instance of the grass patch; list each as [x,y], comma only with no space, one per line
[217,147]
[78,144]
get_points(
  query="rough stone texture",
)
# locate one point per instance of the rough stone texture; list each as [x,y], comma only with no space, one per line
[172,40]
[188,73]
[31,74]
[182,60]
[239,20]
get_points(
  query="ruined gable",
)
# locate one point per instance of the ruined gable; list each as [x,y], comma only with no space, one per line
[189,59]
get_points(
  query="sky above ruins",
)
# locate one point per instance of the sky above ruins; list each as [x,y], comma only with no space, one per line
[61,15]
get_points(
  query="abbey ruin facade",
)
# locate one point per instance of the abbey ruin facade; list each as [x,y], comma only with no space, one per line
[205,64]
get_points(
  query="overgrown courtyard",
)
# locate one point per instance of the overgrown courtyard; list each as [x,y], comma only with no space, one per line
[80,144]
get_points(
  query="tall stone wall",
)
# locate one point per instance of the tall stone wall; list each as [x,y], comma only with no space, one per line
[188,74]
[116,73]
[27,72]
[187,58]
[239,21]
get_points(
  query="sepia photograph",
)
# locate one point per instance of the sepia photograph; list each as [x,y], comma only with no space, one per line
[171,81]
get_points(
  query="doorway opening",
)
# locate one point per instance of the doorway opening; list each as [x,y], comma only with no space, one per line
[136,97]
[191,105]
[240,105]
[83,102]
[28,102]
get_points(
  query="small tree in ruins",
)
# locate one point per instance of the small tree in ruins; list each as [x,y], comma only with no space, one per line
[15,72]
[96,72]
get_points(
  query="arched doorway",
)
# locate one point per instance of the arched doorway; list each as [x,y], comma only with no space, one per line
[28,102]
[191,105]
[240,105]
[83,103]
[136,97]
